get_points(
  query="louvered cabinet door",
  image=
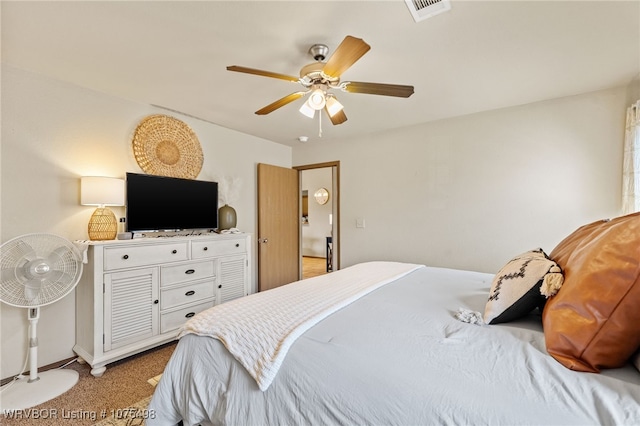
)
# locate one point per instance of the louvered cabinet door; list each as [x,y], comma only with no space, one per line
[233,279]
[131,309]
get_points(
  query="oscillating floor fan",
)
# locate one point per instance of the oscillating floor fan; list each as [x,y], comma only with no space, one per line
[37,270]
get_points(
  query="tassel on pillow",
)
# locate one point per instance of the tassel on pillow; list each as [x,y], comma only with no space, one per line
[469,316]
[552,282]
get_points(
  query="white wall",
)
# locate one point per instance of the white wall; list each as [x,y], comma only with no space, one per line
[471,192]
[314,234]
[52,134]
[633,90]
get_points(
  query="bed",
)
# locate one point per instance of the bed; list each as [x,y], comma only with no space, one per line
[394,355]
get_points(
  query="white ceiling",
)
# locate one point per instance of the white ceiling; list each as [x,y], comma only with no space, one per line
[481,55]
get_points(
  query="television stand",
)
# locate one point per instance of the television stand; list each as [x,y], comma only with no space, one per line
[136,294]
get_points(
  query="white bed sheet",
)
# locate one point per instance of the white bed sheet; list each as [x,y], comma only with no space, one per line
[398,356]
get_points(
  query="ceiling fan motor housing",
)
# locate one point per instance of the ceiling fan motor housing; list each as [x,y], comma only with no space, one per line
[312,74]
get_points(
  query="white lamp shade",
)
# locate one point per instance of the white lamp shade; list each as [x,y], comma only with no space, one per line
[333,106]
[307,110]
[101,191]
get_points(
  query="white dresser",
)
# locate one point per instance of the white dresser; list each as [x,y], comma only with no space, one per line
[135,294]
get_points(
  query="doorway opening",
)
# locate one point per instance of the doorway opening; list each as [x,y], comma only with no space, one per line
[320,218]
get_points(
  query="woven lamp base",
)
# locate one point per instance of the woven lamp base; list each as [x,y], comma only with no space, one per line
[103,225]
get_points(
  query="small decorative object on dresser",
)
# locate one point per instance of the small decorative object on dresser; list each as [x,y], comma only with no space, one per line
[228,193]
[226,217]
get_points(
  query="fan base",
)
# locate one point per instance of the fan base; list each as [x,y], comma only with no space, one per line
[21,394]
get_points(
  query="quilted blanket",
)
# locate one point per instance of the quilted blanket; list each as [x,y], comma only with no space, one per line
[259,329]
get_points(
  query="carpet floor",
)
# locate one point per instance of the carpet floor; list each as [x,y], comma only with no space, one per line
[125,384]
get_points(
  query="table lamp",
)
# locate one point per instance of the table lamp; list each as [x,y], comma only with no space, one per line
[102,191]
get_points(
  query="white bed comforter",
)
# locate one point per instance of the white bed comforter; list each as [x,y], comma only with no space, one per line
[397,356]
[259,330]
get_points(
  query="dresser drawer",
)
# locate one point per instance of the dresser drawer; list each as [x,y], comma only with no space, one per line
[186,272]
[189,293]
[174,319]
[143,255]
[202,249]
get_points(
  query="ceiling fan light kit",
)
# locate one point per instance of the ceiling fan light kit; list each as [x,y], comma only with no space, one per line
[320,77]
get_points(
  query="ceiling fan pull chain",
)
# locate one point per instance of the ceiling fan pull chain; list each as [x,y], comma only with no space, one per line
[320,124]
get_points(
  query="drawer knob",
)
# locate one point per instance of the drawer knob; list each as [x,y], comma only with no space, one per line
[189,271]
[220,286]
[125,257]
[190,293]
[155,302]
[174,251]
[237,244]
[206,248]
[190,314]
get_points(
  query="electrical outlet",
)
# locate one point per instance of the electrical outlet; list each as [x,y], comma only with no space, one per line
[360,222]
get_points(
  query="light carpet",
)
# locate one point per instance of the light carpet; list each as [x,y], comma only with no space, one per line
[134,415]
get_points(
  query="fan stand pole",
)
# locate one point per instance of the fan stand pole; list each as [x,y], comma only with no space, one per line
[33,315]
[23,393]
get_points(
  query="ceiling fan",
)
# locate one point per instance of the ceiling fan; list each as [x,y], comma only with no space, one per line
[320,77]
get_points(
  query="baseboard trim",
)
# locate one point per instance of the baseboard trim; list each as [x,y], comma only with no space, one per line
[43,368]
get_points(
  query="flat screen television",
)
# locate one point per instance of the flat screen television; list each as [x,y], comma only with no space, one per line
[160,203]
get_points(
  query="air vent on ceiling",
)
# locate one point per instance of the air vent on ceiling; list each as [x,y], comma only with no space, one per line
[423,9]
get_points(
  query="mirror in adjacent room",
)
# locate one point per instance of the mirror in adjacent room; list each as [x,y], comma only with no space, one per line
[321,196]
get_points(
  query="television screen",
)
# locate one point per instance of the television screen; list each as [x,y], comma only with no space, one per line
[159,203]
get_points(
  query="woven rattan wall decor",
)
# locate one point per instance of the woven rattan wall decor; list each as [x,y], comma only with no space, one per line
[166,146]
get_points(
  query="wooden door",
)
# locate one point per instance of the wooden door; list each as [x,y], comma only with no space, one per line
[278,226]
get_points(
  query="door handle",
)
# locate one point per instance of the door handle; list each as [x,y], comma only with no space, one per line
[263,240]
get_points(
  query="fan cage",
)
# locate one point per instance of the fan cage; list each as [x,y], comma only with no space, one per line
[38,269]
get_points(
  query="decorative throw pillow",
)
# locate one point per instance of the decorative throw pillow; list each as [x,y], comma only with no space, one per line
[516,288]
[594,321]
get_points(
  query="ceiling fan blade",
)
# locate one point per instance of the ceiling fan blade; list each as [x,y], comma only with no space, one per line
[280,103]
[378,89]
[263,73]
[337,118]
[347,53]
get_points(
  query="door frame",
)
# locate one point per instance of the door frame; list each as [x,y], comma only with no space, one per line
[335,166]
